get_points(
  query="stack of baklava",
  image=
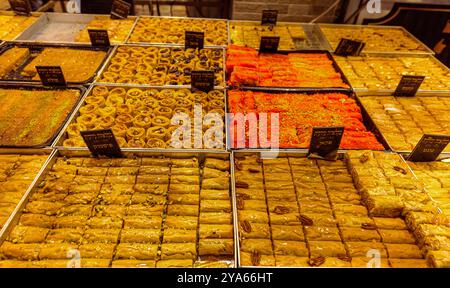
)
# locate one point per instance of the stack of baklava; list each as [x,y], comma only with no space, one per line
[216,221]
[433,230]
[404,120]
[386,184]
[16,174]
[301,212]
[112,212]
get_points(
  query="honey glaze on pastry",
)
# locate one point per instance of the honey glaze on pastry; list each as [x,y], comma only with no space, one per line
[298,212]
[123,213]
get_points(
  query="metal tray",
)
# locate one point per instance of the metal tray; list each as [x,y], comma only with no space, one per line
[367,120]
[113,53]
[427,51]
[14,218]
[20,204]
[35,49]
[61,28]
[58,142]
[261,153]
[314,41]
[174,44]
[81,89]
[298,89]
[38,15]
[403,152]
[385,92]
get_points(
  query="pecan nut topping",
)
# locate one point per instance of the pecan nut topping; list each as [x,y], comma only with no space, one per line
[240,204]
[305,220]
[246,226]
[364,158]
[316,261]
[281,210]
[243,196]
[368,226]
[241,184]
[256,258]
[345,258]
[400,169]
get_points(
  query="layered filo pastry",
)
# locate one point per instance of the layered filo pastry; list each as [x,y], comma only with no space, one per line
[140,212]
[295,211]
[17,172]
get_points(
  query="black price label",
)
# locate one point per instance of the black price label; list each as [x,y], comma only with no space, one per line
[347,47]
[99,37]
[325,142]
[269,17]
[120,9]
[21,7]
[101,143]
[409,85]
[51,75]
[194,39]
[429,148]
[202,80]
[269,44]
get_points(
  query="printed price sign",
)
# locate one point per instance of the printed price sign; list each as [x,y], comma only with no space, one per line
[269,44]
[269,17]
[325,142]
[409,85]
[21,7]
[429,148]
[202,80]
[347,47]
[120,9]
[99,37]
[193,39]
[102,143]
[51,75]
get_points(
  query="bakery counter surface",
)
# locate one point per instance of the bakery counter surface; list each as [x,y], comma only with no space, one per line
[300,212]
[144,117]
[73,28]
[144,210]
[79,63]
